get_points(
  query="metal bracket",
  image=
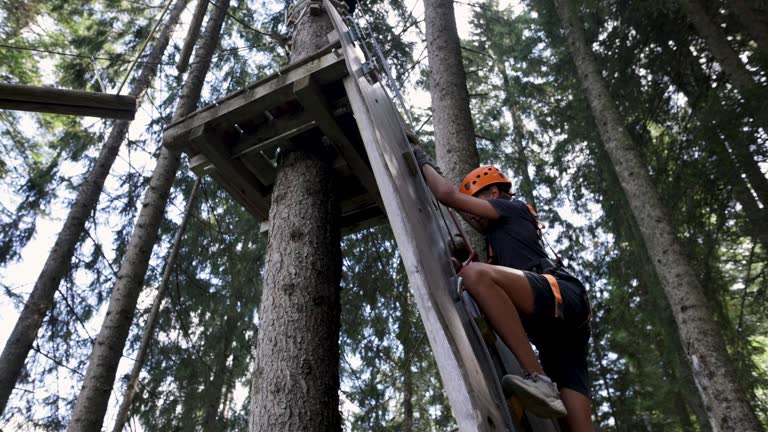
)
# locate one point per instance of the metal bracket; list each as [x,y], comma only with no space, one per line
[354,34]
[370,71]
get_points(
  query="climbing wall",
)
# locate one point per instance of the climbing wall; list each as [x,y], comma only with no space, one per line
[469,371]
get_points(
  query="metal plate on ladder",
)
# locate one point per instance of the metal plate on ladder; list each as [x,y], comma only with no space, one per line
[465,367]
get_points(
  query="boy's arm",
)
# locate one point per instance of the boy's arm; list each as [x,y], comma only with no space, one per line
[473,223]
[447,194]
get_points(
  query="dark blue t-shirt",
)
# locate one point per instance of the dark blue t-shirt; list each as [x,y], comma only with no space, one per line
[513,238]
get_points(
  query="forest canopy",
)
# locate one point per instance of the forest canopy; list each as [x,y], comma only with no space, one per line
[687,79]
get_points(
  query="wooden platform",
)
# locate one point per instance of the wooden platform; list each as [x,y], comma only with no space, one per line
[235,140]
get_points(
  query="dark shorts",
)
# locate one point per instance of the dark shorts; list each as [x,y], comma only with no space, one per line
[563,341]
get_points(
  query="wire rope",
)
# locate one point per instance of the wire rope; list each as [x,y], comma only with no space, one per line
[144,45]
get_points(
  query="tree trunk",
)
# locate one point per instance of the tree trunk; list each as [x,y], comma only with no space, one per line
[702,339]
[92,402]
[747,164]
[405,337]
[455,145]
[192,34]
[728,59]
[58,262]
[296,370]
[689,86]
[407,425]
[692,81]
[681,410]
[149,329]
[755,215]
[215,388]
[521,158]
[752,24]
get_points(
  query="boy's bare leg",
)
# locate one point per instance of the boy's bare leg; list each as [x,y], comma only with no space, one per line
[579,417]
[502,293]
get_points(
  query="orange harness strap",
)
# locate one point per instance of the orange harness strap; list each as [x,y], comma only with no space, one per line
[555,290]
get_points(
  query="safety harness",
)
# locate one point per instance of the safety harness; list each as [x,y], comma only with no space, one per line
[544,266]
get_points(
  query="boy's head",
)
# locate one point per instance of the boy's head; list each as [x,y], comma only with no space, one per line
[486,182]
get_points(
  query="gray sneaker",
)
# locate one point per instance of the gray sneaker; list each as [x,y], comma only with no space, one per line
[537,392]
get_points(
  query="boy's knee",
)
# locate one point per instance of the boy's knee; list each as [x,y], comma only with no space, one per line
[473,276]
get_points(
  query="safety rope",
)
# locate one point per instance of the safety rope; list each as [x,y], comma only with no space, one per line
[472,253]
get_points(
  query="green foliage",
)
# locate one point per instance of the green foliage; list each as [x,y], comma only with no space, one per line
[388,369]
[531,118]
[520,66]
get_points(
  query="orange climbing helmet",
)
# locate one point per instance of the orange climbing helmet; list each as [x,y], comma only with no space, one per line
[481,177]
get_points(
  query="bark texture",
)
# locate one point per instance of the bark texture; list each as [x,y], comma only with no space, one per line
[94,395]
[149,328]
[727,406]
[296,372]
[58,262]
[455,145]
[192,34]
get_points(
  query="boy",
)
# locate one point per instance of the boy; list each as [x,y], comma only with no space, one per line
[524,294]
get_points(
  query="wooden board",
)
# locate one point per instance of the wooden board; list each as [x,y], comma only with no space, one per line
[61,101]
[466,370]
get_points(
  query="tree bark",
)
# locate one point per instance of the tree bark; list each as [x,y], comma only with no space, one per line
[215,388]
[752,24]
[192,34]
[728,59]
[149,329]
[455,145]
[295,380]
[92,402]
[702,339]
[58,262]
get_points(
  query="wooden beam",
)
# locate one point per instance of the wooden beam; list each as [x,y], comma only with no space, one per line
[273,133]
[61,101]
[200,165]
[261,167]
[308,93]
[255,99]
[230,173]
